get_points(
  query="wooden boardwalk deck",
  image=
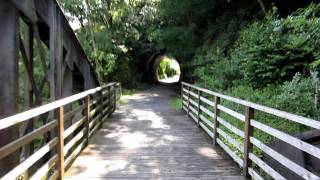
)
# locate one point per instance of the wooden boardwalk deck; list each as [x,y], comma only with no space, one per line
[147,139]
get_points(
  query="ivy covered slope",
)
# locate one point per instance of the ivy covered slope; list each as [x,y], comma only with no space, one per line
[274,61]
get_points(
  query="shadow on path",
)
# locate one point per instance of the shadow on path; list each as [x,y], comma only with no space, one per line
[147,139]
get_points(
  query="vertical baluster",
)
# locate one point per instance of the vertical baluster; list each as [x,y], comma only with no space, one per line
[249,114]
[216,123]
[60,130]
[87,114]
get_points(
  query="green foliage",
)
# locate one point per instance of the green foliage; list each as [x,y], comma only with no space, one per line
[294,96]
[268,62]
[230,46]
[176,103]
[273,50]
[110,33]
[167,68]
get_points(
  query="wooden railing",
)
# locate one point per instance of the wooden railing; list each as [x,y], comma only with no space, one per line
[239,142]
[61,145]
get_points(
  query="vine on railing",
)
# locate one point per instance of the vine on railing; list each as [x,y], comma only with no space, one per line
[63,144]
[240,143]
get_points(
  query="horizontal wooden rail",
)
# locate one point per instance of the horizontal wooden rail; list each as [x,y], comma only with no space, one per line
[66,143]
[239,142]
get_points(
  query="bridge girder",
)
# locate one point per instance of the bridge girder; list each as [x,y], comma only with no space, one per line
[30,28]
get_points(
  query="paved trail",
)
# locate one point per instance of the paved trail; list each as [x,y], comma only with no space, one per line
[147,139]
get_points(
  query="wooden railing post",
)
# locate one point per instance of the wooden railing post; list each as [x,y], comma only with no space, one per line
[249,114]
[216,122]
[60,145]
[199,110]
[87,114]
[188,108]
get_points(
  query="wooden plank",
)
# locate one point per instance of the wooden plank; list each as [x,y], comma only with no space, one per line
[233,155]
[293,117]
[231,127]
[13,146]
[60,130]
[106,102]
[193,94]
[96,119]
[74,111]
[265,167]
[94,101]
[232,141]
[207,121]
[185,103]
[194,118]
[204,127]
[109,97]
[188,107]
[195,104]
[88,117]
[114,99]
[185,90]
[105,110]
[54,175]
[207,101]
[73,141]
[283,160]
[254,174]
[198,108]
[193,110]
[95,128]
[72,128]
[184,108]
[306,147]
[171,157]
[247,163]
[232,113]
[41,172]
[21,117]
[185,97]
[181,94]
[75,153]
[95,110]
[22,167]
[207,111]
[97,123]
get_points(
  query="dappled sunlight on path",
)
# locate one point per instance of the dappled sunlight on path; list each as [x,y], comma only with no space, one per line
[147,139]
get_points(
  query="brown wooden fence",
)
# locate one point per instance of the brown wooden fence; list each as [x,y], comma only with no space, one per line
[58,152]
[205,108]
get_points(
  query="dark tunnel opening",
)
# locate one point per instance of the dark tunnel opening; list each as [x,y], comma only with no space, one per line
[161,68]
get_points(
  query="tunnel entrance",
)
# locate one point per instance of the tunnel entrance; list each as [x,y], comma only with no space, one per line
[166,69]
